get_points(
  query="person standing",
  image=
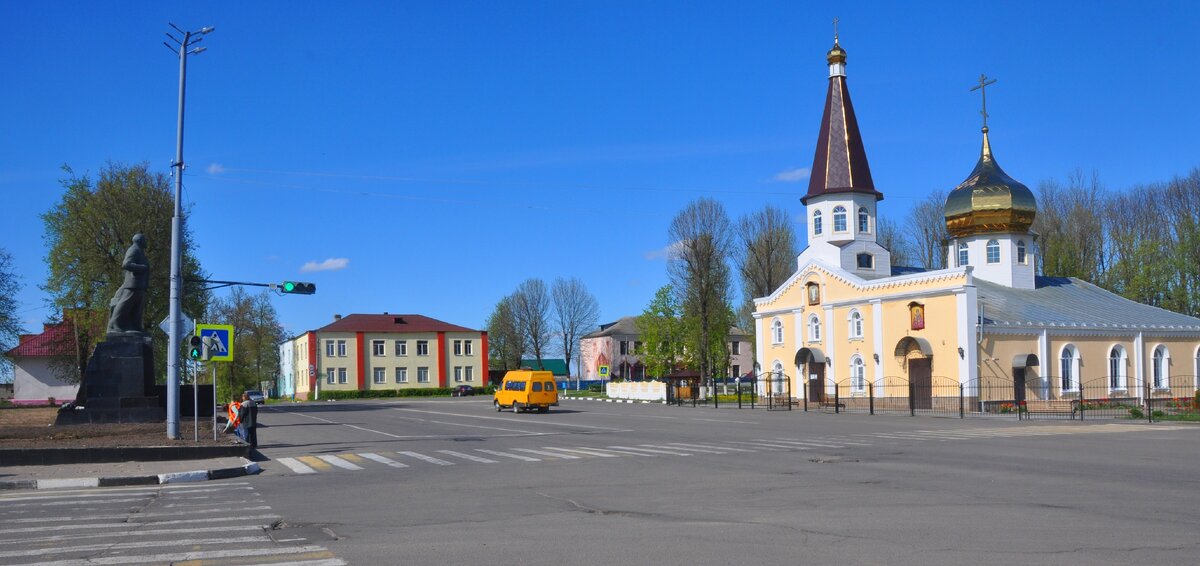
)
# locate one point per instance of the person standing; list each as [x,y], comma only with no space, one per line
[248,415]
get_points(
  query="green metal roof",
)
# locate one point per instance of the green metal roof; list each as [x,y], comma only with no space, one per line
[557,366]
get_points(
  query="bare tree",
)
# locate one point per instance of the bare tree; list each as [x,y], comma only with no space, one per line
[505,344]
[256,337]
[1070,227]
[926,231]
[1183,206]
[531,306]
[765,256]
[888,235]
[699,270]
[10,326]
[575,311]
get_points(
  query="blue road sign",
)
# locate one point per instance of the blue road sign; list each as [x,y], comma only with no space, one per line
[220,338]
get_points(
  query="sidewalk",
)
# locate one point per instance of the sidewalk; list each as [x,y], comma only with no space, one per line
[123,473]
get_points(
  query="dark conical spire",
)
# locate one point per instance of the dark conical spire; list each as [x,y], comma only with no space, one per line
[840,164]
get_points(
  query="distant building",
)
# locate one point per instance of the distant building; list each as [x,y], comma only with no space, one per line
[34,379]
[386,351]
[618,346]
[557,366]
[286,384]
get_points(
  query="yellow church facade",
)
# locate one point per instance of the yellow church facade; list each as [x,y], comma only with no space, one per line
[986,334]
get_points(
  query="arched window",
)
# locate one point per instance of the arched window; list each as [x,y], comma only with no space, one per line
[963,257]
[1070,368]
[1116,368]
[1021,252]
[839,218]
[856,324]
[993,251]
[814,328]
[817,222]
[858,381]
[1162,362]
[777,331]
[864,221]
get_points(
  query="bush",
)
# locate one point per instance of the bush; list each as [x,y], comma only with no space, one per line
[1136,413]
[1158,414]
[595,388]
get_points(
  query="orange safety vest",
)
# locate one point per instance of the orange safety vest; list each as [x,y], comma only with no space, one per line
[234,407]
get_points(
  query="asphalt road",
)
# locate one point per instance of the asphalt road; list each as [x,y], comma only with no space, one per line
[452,481]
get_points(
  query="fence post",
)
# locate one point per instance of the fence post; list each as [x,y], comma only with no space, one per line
[806,390]
[871,396]
[1082,398]
[912,408]
[837,403]
[961,413]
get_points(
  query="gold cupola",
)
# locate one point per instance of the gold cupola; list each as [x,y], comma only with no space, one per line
[836,54]
[989,201]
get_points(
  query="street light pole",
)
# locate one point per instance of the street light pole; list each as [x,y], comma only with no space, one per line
[174,337]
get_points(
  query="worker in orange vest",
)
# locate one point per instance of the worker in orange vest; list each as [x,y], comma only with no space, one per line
[233,407]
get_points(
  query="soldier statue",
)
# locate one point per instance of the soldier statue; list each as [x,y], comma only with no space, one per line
[129,302]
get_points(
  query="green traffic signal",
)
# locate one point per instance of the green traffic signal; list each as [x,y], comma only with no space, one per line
[298,288]
[196,351]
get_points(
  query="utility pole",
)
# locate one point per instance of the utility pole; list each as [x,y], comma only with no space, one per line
[174,337]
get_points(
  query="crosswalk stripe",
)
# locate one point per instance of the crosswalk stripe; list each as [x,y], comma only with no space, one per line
[686,445]
[507,455]
[296,465]
[766,445]
[138,533]
[339,462]
[675,452]
[325,562]
[382,459]
[317,551]
[189,513]
[549,454]
[315,463]
[470,457]
[584,451]
[803,443]
[691,448]
[355,458]
[425,458]
[132,545]
[627,452]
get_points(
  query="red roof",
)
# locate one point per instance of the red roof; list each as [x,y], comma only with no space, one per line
[55,340]
[391,323]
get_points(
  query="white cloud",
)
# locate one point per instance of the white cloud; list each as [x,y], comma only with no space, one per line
[792,175]
[215,169]
[331,264]
[668,252]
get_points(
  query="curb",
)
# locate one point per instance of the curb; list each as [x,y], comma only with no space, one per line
[52,456]
[605,400]
[249,468]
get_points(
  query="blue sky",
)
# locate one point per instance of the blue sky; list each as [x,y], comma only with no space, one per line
[428,157]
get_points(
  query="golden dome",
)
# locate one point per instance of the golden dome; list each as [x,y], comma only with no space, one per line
[836,55]
[989,200]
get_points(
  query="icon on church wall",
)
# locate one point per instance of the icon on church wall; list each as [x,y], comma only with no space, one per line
[814,294]
[916,315]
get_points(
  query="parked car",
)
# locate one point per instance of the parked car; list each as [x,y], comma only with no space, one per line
[462,391]
[256,396]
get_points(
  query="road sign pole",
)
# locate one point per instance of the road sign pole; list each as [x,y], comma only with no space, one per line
[196,401]
[214,384]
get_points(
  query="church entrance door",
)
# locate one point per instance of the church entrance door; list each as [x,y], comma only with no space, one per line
[816,382]
[1019,385]
[920,378]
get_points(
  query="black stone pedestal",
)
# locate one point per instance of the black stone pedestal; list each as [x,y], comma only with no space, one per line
[117,385]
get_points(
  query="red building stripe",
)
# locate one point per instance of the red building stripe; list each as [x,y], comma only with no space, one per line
[484,352]
[442,359]
[362,359]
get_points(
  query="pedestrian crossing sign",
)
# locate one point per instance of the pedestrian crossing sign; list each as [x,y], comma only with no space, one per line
[220,339]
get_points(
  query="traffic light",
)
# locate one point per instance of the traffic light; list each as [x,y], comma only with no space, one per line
[196,349]
[298,288]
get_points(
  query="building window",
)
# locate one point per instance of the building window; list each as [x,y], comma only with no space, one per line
[777,385]
[865,261]
[458,373]
[401,375]
[735,370]
[735,348]
[469,372]
[839,219]
[377,347]
[864,220]
[1021,252]
[329,376]
[817,222]
[963,256]
[341,348]
[1161,361]
[380,375]
[1070,365]
[401,347]
[858,382]
[777,331]
[856,324]
[458,347]
[624,347]
[422,375]
[341,375]
[422,347]
[329,348]
[1116,368]
[993,251]
[467,349]
[814,328]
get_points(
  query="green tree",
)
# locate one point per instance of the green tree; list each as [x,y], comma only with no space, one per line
[661,331]
[1071,230]
[10,326]
[699,272]
[505,345]
[256,338]
[87,233]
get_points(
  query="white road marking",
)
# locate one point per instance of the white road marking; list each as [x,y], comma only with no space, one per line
[651,450]
[324,562]
[132,545]
[77,517]
[133,522]
[227,530]
[339,462]
[584,451]
[803,443]
[382,459]
[766,445]
[184,556]
[425,458]
[549,454]
[685,446]
[507,455]
[692,448]
[470,457]
[296,465]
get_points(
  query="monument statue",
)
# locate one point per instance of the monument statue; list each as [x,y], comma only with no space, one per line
[129,302]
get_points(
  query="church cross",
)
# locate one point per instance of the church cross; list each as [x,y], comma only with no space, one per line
[982,86]
[835,35]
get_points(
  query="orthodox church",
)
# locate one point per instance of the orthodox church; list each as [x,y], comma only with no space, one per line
[848,322]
